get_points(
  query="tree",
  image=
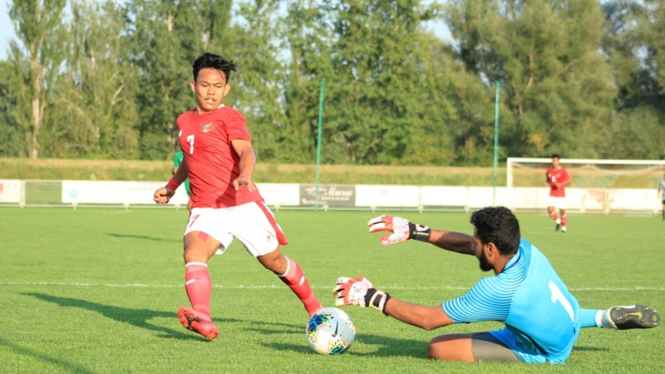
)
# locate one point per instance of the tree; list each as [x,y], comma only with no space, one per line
[167,36]
[558,87]
[38,25]
[380,83]
[217,17]
[12,134]
[633,41]
[95,113]
[257,87]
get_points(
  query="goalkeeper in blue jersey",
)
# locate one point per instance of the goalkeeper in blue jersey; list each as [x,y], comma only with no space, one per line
[542,318]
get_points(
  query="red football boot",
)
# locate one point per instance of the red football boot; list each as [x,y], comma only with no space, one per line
[194,321]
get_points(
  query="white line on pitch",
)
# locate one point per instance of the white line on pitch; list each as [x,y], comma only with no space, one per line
[270,286]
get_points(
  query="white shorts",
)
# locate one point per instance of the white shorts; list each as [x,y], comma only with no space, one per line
[252,223]
[557,202]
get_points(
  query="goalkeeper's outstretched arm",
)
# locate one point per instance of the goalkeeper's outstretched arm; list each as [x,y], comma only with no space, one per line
[425,317]
[402,230]
[452,241]
[359,291]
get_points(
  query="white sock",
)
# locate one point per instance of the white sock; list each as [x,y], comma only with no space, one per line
[603,320]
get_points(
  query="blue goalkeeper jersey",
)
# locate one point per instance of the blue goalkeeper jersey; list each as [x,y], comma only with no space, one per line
[534,303]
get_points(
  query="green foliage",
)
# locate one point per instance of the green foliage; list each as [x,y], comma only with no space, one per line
[556,84]
[113,309]
[633,39]
[166,37]
[380,92]
[108,79]
[12,133]
[257,89]
[39,26]
[95,112]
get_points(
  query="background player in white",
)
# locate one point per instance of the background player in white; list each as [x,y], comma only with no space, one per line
[557,179]
[542,318]
[661,192]
[219,161]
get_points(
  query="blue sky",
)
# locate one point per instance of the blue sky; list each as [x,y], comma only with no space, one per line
[7,29]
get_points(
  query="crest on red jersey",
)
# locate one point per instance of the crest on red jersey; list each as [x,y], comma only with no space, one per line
[206,127]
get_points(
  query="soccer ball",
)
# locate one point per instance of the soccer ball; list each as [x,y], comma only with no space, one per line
[330,331]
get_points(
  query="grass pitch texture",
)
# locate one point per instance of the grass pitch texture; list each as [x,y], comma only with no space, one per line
[97,291]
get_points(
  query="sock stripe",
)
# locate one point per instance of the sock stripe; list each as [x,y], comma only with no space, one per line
[195,263]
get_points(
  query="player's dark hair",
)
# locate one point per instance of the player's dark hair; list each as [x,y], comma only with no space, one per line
[556,155]
[497,225]
[209,60]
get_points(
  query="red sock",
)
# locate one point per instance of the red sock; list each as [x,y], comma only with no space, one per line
[198,286]
[564,220]
[295,279]
[554,216]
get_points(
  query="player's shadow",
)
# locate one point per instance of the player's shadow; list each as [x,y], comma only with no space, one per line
[592,349]
[142,237]
[42,357]
[135,317]
[275,328]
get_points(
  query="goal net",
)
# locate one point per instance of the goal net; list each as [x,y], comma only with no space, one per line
[598,186]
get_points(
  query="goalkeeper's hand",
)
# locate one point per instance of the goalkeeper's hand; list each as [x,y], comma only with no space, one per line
[402,230]
[359,292]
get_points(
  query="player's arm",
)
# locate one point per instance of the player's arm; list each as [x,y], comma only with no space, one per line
[360,292]
[402,230]
[164,194]
[247,160]
[425,317]
[566,181]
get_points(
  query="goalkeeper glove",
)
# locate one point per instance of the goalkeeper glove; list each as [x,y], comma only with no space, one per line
[359,292]
[402,230]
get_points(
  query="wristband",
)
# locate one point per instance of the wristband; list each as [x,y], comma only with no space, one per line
[420,233]
[173,184]
[377,299]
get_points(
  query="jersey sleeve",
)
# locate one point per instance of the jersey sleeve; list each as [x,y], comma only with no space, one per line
[566,177]
[487,300]
[236,127]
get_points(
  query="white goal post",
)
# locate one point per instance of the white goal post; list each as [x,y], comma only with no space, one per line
[602,186]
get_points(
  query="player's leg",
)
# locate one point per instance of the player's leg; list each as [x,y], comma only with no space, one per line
[663,211]
[254,225]
[552,211]
[199,248]
[470,348]
[564,219]
[292,275]
[629,317]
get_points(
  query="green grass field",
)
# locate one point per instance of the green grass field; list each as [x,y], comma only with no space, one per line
[97,291]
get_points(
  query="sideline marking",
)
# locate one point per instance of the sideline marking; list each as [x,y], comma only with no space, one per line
[270,286]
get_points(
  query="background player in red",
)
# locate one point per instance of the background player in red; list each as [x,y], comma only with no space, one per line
[557,180]
[219,161]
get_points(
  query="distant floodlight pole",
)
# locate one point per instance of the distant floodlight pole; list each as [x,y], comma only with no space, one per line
[496,137]
[318,148]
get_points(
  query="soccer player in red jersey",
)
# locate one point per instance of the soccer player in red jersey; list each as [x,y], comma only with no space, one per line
[557,180]
[219,161]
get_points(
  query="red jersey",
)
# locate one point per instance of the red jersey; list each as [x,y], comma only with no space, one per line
[212,163]
[558,175]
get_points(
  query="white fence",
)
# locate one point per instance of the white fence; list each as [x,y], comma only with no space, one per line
[364,197]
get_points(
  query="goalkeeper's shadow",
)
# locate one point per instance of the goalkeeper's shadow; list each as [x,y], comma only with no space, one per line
[369,345]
